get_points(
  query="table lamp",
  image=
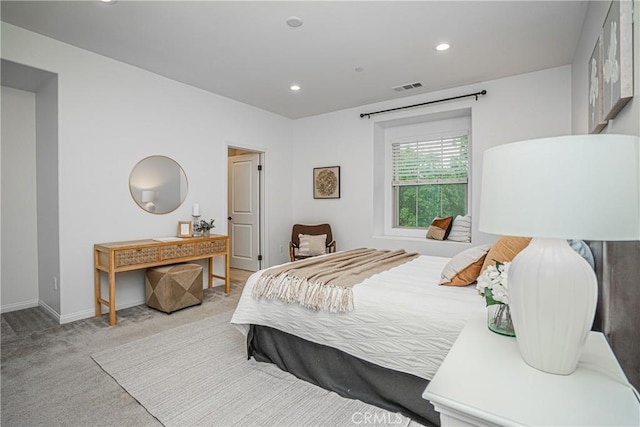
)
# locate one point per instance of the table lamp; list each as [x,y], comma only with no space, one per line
[554,189]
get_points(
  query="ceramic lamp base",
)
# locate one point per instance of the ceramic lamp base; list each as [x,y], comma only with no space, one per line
[552,295]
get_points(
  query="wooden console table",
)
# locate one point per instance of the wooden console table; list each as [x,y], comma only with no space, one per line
[115,257]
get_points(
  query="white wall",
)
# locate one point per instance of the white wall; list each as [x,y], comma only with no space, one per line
[48,201]
[532,105]
[19,230]
[111,115]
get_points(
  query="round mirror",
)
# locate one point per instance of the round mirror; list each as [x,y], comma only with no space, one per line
[158,184]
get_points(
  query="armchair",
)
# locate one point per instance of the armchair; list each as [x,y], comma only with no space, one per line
[295,250]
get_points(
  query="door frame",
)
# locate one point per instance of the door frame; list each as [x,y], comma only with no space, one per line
[262,233]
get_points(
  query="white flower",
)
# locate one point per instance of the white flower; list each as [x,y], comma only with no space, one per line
[495,278]
[500,294]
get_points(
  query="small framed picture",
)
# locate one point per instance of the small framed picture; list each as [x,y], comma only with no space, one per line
[184,229]
[326,182]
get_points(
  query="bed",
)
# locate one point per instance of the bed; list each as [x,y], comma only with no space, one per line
[384,351]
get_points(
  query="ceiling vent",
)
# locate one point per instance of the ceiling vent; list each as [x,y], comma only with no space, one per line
[409,86]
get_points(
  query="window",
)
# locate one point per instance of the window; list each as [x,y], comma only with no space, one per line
[430,178]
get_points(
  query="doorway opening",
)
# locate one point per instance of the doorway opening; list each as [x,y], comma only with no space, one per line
[245,208]
[30,190]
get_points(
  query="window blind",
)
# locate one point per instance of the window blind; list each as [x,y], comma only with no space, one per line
[431,161]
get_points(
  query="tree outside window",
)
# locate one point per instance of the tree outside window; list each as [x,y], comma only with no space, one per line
[430,178]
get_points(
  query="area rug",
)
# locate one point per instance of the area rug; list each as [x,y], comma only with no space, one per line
[198,375]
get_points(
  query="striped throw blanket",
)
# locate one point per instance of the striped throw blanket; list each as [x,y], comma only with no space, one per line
[326,282]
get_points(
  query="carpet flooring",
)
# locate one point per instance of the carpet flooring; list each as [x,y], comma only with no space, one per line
[198,374]
[48,377]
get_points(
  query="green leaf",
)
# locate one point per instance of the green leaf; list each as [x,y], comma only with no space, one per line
[488,296]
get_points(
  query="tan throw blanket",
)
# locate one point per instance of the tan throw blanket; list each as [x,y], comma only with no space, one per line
[326,282]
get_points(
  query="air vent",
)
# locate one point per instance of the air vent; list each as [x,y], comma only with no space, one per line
[408,86]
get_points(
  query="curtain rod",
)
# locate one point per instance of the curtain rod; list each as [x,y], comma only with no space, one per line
[368,115]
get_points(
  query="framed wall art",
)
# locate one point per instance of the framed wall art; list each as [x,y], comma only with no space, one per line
[596,112]
[617,69]
[326,182]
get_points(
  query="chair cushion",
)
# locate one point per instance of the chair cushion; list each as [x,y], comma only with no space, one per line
[312,245]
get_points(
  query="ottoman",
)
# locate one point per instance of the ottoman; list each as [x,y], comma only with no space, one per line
[172,287]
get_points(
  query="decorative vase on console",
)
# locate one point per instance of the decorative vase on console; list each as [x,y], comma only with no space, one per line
[204,227]
[492,285]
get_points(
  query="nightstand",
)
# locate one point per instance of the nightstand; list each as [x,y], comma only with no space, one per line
[483,381]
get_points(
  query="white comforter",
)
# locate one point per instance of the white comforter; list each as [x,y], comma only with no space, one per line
[403,320]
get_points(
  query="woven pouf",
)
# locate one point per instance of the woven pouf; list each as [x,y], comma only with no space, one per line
[173,287]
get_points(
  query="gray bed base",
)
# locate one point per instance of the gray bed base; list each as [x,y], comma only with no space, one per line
[344,374]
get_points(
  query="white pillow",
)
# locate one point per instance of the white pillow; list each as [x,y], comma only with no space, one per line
[312,245]
[461,229]
[584,251]
[464,268]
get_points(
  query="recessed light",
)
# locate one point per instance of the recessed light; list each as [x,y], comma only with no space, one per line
[294,21]
[109,1]
[442,47]
[295,88]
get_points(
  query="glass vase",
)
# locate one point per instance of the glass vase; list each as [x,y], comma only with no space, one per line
[499,320]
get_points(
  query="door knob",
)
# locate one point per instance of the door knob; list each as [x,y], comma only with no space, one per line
[229,218]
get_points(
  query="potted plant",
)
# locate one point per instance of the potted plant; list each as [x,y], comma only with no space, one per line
[204,227]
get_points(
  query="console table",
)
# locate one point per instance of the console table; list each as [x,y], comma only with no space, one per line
[116,257]
[483,381]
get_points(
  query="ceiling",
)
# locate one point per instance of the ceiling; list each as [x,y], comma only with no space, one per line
[246,51]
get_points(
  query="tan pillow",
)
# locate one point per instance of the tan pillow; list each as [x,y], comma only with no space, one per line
[312,245]
[440,228]
[464,268]
[505,249]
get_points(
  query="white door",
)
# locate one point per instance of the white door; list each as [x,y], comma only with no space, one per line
[244,211]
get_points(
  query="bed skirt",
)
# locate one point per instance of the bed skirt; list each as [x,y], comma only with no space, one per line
[342,373]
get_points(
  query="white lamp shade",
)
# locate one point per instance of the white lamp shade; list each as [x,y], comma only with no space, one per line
[571,187]
[553,189]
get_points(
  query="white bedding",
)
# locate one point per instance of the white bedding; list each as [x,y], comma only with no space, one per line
[403,320]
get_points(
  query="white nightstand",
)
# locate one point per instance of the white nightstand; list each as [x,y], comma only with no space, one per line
[484,382]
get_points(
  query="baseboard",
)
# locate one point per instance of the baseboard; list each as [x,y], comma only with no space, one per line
[18,306]
[50,310]
[85,314]
[79,315]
